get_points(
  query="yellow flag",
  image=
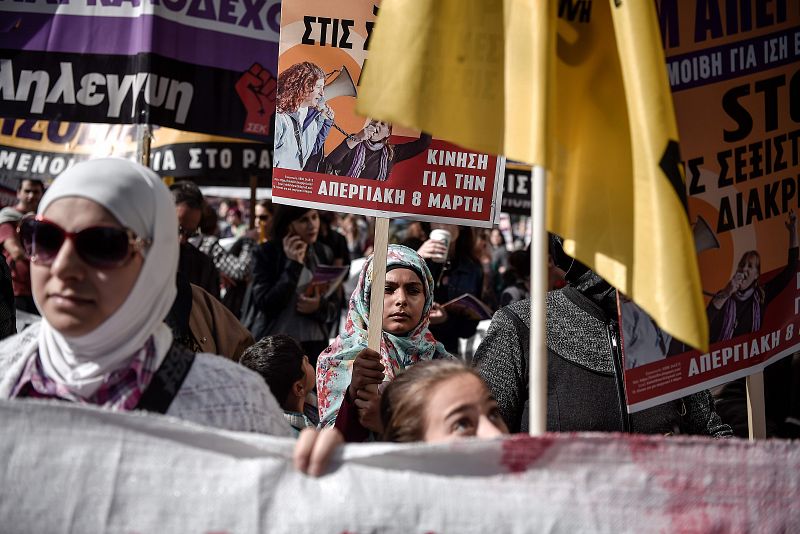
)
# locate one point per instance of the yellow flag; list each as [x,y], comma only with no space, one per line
[578,87]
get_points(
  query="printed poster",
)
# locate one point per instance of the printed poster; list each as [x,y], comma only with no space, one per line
[328,157]
[517,189]
[202,66]
[32,149]
[734,68]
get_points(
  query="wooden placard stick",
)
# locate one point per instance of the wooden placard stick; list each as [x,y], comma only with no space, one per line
[380,250]
[253,188]
[756,412]
[144,138]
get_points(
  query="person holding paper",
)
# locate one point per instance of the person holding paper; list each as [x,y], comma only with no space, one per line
[369,154]
[104,253]
[348,373]
[457,270]
[281,299]
[303,119]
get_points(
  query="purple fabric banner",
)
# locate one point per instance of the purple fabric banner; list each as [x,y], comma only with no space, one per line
[203,66]
[131,36]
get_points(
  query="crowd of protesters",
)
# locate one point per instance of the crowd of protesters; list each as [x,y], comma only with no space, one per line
[154,299]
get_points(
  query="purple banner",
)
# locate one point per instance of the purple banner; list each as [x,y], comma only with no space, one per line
[131,36]
[196,66]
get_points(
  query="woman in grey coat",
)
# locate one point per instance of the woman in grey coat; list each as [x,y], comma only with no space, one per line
[585,389]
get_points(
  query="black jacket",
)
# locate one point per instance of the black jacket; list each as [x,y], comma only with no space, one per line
[275,281]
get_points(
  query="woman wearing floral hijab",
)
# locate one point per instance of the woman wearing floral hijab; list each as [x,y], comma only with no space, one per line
[348,374]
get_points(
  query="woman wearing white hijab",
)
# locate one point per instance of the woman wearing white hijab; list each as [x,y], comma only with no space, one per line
[104,251]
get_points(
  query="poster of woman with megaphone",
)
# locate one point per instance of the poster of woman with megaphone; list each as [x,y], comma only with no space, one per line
[303,119]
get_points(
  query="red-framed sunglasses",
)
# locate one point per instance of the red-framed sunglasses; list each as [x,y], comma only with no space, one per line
[101,247]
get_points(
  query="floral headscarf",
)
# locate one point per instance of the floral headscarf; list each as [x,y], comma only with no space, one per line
[335,365]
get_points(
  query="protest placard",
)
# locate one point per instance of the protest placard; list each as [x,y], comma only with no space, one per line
[734,74]
[196,66]
[347,162]
[517,189]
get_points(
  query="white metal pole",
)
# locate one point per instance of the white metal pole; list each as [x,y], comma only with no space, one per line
[380,252]
[537,354]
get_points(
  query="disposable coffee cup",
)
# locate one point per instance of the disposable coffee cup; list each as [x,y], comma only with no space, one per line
[444,237]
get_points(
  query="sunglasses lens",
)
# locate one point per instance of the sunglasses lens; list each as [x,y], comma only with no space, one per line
[41,240]
[103,247]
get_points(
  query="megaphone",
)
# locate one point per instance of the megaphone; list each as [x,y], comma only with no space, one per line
[342,85]
[704,237]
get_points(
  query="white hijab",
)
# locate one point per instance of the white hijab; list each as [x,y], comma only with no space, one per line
[139,200]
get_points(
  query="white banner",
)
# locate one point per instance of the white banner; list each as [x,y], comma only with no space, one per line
[68,468]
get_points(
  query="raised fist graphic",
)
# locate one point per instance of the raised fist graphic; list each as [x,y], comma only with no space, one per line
[257,88]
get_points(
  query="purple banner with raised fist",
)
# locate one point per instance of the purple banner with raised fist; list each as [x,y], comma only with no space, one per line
[204,66]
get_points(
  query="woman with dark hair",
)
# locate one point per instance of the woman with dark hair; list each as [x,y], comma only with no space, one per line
[369,154]
[303,120]
[283,364]
[354,229]
[518,278]
[263,212]
[281,300]
[461,273]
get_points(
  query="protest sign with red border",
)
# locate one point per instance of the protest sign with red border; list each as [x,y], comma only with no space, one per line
[403,174]
[733,68]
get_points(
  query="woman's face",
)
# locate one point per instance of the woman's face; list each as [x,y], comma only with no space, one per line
[416,231]
[496,238]
[306,227]
[74,297]
[381,131]
[750,271]
[234,218]
[262,215]
[314,97]
[348,224]
[403,301]
[461,407]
